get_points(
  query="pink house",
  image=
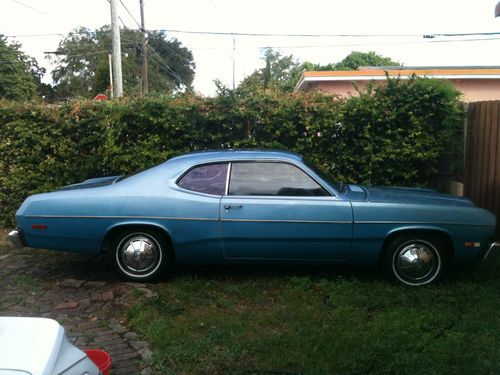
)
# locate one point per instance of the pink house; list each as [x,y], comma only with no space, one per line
[475,83]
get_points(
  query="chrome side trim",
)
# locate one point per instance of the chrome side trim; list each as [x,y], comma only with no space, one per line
[493,245]
[15,239]
[291,221]
[418,222]
[119,217]
[249,220]
[304,198]
[186,218]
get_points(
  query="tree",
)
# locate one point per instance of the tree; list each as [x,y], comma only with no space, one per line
[82,67]
[356,59]
[352,62]
[283,72]
[279,73]
[20,75]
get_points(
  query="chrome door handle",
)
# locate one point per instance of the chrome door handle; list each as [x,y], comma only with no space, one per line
[228,206]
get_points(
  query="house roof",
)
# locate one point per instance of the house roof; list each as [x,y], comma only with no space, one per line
[379,73]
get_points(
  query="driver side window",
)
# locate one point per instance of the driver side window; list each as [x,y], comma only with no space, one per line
[272,178]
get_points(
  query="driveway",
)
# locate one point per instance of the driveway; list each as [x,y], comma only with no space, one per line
[82,293]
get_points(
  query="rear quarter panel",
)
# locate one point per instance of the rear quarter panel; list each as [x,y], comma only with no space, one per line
[78,220]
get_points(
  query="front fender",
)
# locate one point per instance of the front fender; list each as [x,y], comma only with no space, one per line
[370,238]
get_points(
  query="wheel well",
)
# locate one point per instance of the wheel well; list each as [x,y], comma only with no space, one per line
[445,237]
[110,236]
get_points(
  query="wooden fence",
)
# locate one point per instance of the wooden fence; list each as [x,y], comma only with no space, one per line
[482,156]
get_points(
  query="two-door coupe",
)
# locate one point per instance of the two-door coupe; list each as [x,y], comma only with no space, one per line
[221,207]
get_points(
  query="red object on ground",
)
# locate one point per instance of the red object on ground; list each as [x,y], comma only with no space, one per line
[101,359]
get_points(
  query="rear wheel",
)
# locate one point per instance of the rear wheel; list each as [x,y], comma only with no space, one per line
[416,260]
[140,255]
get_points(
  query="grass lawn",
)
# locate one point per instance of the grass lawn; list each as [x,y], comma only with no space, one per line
[322,321]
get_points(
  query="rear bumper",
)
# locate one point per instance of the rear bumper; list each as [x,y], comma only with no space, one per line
[490,248]
[17,238]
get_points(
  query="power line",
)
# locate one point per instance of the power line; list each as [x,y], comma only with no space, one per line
[123,23]
[431,36]
[128,42]
[56,53]
[144,43]
[32,35]
[347,45]
[286,35]
[426,36]
[159,60]
[131,15]
[77,55]
[380,43]
[462,40]
[87,31]
[30,7]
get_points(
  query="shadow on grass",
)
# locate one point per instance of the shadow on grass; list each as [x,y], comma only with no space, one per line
[251,272]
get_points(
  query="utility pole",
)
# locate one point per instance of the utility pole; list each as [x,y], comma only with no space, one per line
[234,62]
[117,51]
[110,75]
[145,87]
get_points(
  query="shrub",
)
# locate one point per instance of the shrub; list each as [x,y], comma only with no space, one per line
[393,134]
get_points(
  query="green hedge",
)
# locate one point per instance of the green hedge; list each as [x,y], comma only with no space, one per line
[394,134]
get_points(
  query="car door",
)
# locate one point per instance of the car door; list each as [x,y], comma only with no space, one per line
[274,210]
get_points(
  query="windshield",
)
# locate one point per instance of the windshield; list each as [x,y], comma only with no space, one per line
[330,181]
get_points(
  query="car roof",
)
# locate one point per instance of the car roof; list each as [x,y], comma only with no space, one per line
[175,166]
[235,154]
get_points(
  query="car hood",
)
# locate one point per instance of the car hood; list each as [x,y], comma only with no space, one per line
[92,183]
[413,195]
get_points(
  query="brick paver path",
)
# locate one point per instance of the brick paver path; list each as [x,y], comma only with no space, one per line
[82,293]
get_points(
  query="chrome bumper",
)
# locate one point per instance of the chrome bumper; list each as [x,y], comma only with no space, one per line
[17,239]
[494,244]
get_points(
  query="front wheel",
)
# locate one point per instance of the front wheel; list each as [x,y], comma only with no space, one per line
[140,255]
[416,260]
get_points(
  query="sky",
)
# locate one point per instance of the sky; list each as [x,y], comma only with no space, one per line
[213,54]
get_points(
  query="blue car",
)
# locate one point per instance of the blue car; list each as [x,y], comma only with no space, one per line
[254,207]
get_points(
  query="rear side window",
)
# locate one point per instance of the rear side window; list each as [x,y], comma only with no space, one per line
[278,179]
[208,179]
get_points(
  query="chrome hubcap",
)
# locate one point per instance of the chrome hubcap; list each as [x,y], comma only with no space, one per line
[416,261]
[139,254]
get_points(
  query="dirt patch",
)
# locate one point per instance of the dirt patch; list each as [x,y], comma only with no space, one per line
[82,293]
